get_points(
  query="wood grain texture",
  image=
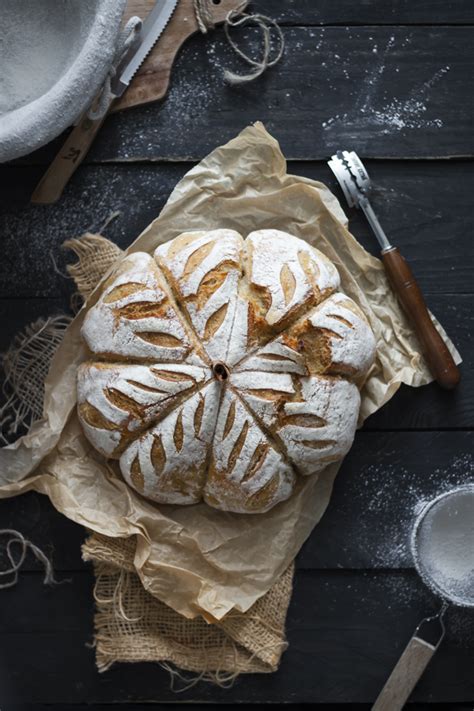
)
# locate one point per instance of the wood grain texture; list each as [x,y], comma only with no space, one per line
[348,624]
[345,631]
[396,92]
[388,92]
[424,207]
[368,12]
[405,675]
[66,162]
[150,83]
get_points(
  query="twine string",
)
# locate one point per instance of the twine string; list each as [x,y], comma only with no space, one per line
[238,18]
[17,539]
[234,19]
[203,16]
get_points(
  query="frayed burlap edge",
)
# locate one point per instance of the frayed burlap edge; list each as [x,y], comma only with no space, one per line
[95,255]
[133,626]
[25,366]
[26,363]
[130,624]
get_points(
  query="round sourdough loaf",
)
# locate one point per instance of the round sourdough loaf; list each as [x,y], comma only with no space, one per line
[222,369]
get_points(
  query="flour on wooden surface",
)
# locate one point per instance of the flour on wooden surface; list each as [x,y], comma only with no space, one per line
[391,549]
[389,546]
[393,115]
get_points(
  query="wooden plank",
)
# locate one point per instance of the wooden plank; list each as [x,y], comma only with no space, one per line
[346,12]
[33,234]
[60,539]
[422,207]
[382,483]
[369,12]
[425,208]
[431,407]
[345,632]
[385,92]
[151,81]
[390,92]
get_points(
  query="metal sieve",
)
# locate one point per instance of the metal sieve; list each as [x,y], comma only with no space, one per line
[442,545]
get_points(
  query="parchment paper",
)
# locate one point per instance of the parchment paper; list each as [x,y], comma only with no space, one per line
[194,558]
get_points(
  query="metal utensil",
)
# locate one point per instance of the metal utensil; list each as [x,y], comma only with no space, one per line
[76,146]
[356,186]
[442,545]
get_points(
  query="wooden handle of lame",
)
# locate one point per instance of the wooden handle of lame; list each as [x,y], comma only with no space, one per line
[405,675]
[440,360]
[66,162]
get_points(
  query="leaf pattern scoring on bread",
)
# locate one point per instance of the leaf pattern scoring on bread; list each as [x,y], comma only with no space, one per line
[222,369]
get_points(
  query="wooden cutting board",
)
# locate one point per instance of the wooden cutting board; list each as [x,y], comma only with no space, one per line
[152,79]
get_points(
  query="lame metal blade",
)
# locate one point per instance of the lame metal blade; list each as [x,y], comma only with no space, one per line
[355,183]
[151,30]
[351,175]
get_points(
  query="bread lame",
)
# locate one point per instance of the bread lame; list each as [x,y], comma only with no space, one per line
[76,146]
[356,186]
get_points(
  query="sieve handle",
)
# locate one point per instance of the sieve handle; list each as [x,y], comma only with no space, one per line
[411,665]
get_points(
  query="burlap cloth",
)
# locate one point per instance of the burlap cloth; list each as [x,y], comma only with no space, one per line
[133,626]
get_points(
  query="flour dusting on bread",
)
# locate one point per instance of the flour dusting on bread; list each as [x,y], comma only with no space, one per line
[222,369]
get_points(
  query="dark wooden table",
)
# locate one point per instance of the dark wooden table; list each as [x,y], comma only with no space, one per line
[389,79]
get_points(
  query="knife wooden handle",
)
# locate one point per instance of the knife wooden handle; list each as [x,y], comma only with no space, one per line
[435,350]
[66,162]
[150,83]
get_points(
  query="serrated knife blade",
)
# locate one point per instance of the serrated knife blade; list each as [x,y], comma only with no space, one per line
[151,30]
[75,148]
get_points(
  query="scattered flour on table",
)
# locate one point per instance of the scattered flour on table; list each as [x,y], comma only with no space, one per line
[138,193]
[393,115]
[390,499]
[391,549]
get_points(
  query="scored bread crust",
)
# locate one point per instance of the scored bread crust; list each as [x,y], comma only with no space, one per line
[222,369]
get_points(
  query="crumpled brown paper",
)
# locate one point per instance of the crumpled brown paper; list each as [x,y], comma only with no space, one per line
[196,559]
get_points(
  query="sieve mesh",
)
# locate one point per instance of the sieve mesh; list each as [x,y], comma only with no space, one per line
[443,545]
